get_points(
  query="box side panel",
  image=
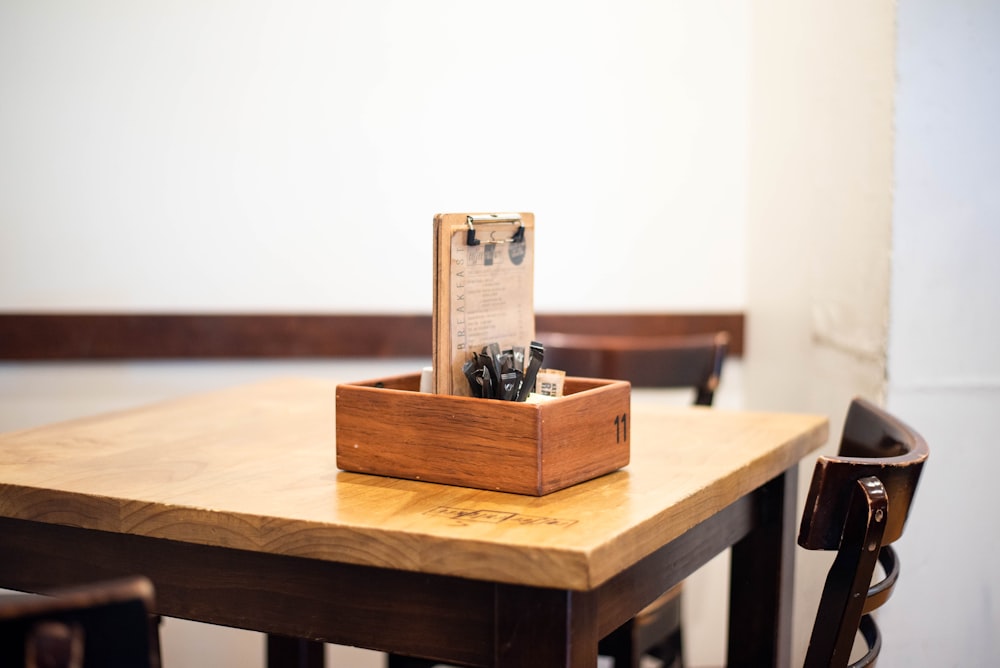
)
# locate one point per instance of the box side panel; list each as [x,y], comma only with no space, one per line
[454,440]
[585,435]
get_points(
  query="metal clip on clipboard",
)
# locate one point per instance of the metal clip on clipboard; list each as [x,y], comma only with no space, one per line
[492,219]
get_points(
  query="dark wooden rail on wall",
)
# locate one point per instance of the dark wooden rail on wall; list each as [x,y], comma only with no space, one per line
[186,336]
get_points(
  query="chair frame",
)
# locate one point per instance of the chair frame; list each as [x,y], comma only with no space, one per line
[107,623]
[693,360]
[857,504]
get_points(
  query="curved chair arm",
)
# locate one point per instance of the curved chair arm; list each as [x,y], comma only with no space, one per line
[857,504]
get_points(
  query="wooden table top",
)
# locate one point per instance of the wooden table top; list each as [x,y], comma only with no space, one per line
[254,468]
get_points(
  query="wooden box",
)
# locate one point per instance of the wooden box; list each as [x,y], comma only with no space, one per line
[386,427]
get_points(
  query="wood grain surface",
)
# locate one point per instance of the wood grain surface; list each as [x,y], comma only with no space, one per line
[254,468]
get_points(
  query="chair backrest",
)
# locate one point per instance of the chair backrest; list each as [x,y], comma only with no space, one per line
[646,361]
[101,624]
[857,504]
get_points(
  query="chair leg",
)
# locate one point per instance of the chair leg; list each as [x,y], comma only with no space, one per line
[671,651]
[284,651]
[155,650]
[620,646]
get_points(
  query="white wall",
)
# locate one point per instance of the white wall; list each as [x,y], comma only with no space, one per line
[825,141]
[250,156]
[819,221]
[259,156]
[224,156]
[944,364]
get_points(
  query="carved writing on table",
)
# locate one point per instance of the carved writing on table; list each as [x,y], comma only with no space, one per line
[462,515]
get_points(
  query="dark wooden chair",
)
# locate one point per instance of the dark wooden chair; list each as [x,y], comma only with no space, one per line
[106,624]
[692,361]
[857,505]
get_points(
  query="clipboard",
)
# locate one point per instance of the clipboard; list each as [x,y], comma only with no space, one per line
[483,289]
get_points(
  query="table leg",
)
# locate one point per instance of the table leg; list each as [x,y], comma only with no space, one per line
[285,652]
[762,580]
[545,627]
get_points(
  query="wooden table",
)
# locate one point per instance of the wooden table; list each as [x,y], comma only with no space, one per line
[232,504]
